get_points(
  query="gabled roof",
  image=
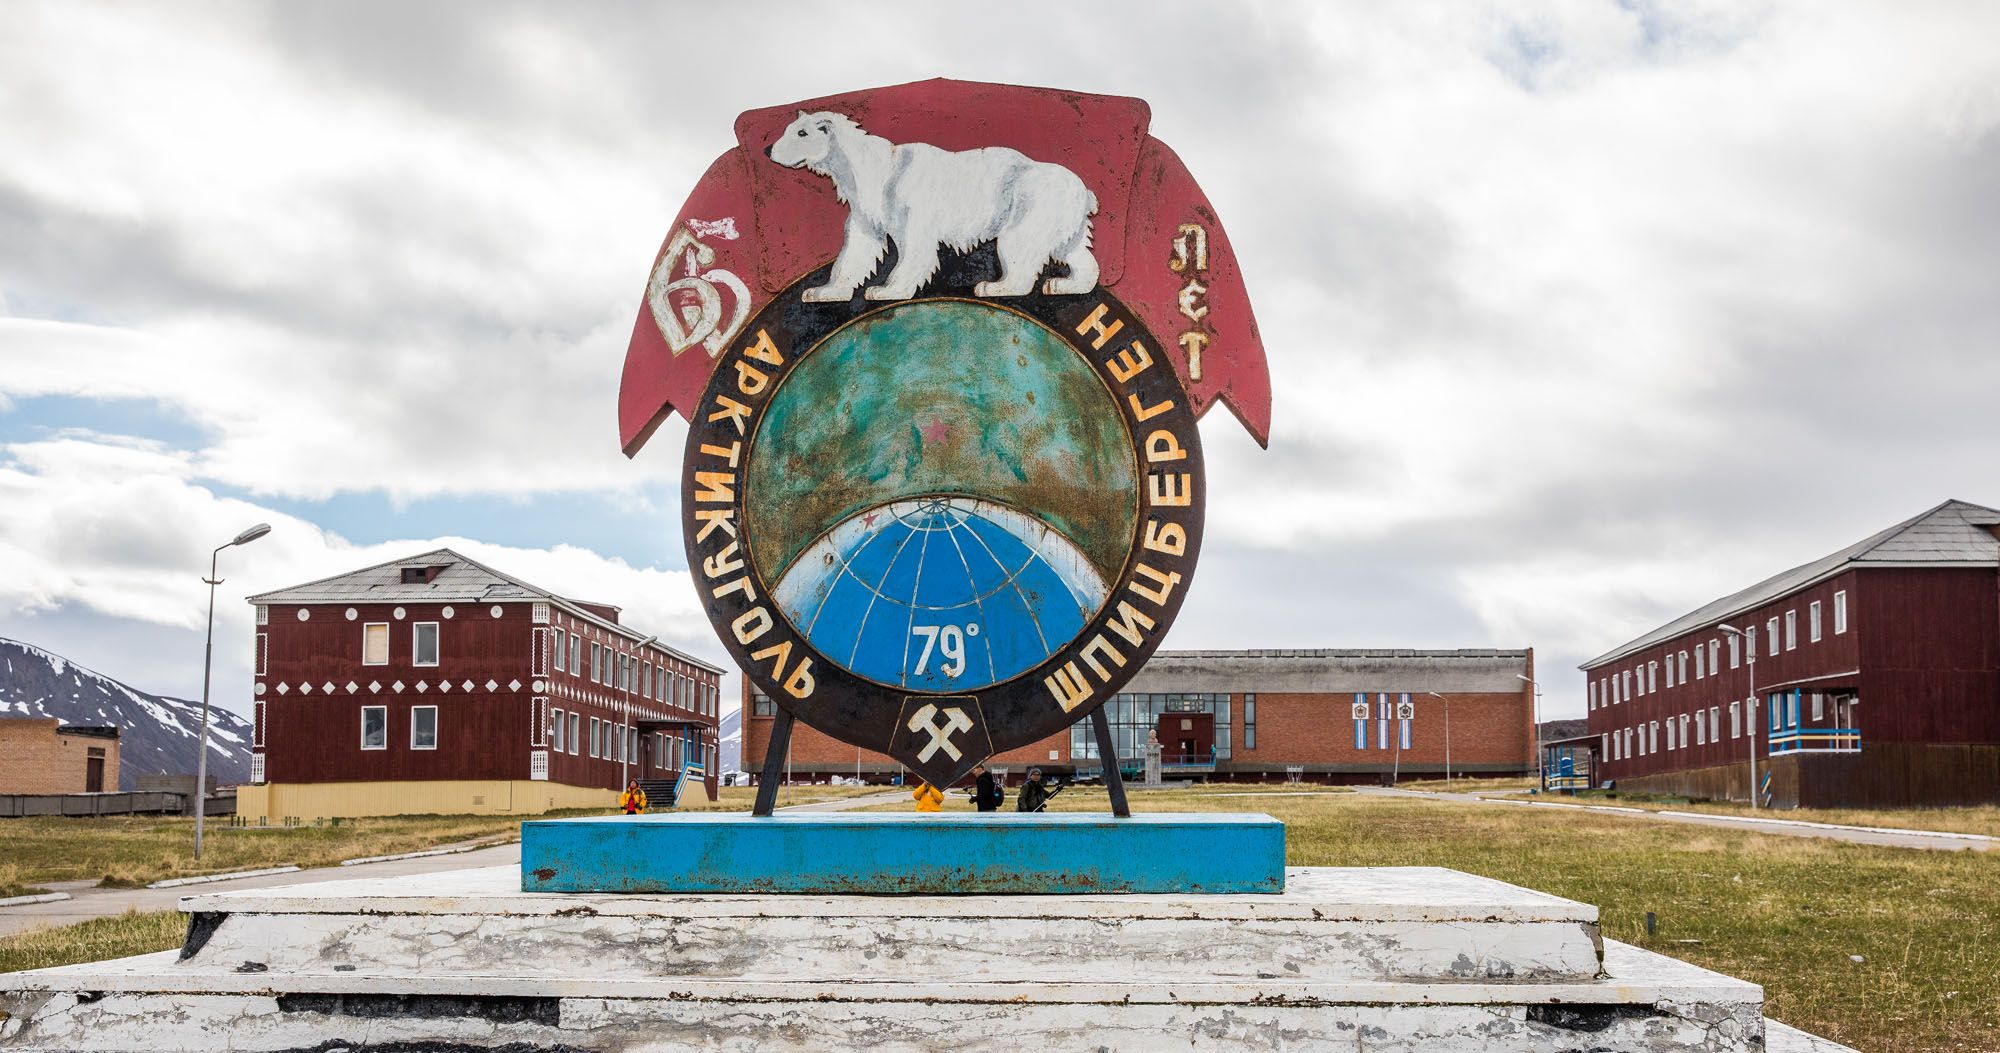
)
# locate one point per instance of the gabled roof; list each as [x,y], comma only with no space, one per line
[1954,534]
[461,580]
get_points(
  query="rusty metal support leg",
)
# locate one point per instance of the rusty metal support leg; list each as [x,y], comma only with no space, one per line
[1114,781]
[774,762]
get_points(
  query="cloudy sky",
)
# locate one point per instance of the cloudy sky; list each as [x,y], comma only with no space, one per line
[1579,314]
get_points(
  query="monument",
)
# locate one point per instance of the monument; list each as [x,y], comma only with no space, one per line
[942,348]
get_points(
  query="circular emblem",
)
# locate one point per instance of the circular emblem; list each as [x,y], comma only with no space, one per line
[946,526]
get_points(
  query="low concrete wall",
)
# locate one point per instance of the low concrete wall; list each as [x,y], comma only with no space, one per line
[273,801]
[17,805]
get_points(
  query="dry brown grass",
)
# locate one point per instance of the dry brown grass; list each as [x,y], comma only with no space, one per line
[1522,784]
[128,934]
[126,851]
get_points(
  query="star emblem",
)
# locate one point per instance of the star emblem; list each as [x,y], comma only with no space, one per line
[935,431]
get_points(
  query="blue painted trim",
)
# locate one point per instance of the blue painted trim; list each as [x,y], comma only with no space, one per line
[905,853]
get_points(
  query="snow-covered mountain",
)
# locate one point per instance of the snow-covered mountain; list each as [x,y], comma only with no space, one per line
[158,736]
[729,740]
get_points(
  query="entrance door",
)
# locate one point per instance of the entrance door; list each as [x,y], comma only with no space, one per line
[93,775]
[1186,738]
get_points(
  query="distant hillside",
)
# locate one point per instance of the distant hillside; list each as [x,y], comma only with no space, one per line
[159,735]
[729,740]
[1564,729]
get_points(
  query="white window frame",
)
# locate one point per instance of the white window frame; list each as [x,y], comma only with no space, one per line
[384,710]
[1700,661]
[1683,668]
[256,769]
[562,651]
[1700,729]
[1715,657]
[1792,629]
[576,655]
[366,627]
[1735,651]
[1771,633]
[559,731]
[538,765]
[1670,670]
[1715,724]
[1736,720]
[595,738]
[414,710]
[1672,744]
[1652,678]
[575,732]
[416,649]
[1813,621]
[1840,612]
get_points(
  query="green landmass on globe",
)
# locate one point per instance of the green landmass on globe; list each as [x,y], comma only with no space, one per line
[941,398]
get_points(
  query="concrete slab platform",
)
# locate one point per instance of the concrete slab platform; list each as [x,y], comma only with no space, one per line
[906,853]
[1372,959]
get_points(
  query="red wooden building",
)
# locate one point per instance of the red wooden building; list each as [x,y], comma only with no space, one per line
[435,684]
[1868,677]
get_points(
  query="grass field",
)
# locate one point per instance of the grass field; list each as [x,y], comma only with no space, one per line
[1792,914]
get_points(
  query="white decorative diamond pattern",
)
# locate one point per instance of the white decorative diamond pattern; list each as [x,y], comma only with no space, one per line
[352,687]
[493,685]
[374,687]
[327,687]
[512,685]
[469,685]
[444,685]
[422,687]
[397,687]
[284,688]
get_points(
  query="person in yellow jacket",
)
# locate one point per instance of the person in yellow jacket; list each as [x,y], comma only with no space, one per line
[633,801]
[929,798]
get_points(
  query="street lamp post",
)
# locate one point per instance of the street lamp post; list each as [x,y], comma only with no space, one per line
[1750,704]
[1447,736]
[1541,780]
[207,667]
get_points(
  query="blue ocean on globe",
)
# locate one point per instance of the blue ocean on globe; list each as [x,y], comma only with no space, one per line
[941,594]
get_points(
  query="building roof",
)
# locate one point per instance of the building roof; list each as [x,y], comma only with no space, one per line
[462,580]
[1320,670]
[1954,534]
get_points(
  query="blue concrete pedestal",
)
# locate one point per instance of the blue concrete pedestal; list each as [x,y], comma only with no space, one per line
[905,854]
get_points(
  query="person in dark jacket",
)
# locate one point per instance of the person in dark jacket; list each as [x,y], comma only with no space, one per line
[1034,793]
[986,791]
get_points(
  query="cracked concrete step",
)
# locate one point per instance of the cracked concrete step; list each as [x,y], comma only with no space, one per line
[1647,1002]
[1331,924]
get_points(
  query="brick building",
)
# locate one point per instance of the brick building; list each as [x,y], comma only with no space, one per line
[1353,716]
[435,684]
[47,756]
[1868,677]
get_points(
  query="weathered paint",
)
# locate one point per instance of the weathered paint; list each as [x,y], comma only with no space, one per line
[751,226]
[832,853]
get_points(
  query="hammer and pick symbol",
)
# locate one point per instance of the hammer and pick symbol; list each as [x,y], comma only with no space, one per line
[955,721]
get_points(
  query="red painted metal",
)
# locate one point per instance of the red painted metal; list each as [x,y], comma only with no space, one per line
[751,227]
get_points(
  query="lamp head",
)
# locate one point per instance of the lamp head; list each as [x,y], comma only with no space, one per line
[252,534]
[1730,629]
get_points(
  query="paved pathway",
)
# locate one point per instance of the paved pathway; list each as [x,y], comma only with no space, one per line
[1864,835]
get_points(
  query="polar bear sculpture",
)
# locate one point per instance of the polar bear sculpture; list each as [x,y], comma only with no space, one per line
[922,197]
